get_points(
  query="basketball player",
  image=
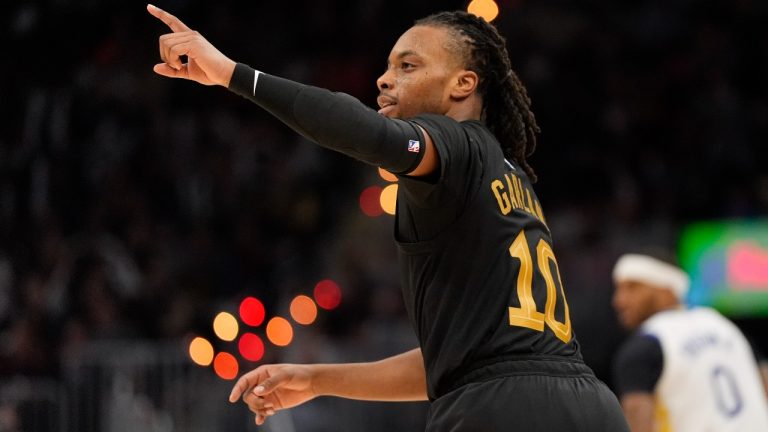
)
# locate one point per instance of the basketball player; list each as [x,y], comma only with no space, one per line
[684,370]
[481,283]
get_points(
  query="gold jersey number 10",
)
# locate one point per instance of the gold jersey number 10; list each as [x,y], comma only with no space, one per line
[526,315]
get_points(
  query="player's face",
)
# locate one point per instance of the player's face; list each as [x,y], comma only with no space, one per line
[419,70]
[634,302]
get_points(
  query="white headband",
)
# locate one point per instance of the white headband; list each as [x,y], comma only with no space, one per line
[654,272]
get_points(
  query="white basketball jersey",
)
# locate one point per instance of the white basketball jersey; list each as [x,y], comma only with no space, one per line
[710,380]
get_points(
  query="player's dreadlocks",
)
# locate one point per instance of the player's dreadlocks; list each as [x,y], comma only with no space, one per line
[506,105]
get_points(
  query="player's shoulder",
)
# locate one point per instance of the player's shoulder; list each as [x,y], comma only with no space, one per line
[667,317]
[436,120]
[464,130]
[694,315]
[441,127]
[707,312]
[714,318]
[460,140]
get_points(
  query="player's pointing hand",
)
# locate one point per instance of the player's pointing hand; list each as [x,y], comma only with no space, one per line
[205,64]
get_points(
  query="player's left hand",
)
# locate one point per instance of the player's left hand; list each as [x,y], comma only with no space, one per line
[205,64]
[270,388]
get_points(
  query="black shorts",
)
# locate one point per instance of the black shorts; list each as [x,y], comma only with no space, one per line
[529,396]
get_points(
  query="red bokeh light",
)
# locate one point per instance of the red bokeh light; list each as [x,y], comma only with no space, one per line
[252,311]
[327,294]
[251,347]
[225,365]
[369,201]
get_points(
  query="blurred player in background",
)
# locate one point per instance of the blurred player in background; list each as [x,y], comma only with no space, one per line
[480,279]
[683,370]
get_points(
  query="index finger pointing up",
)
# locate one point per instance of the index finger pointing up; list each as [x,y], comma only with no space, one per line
[171,21]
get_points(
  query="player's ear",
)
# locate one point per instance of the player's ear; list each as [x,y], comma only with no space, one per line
[465,84]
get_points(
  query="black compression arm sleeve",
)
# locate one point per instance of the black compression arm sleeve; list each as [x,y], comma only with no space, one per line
[334,120]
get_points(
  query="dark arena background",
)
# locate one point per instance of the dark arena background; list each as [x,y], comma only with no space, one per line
[158,238]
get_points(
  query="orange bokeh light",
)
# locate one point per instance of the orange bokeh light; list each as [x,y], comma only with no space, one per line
[303,310]
[486,9]
[225,365]
[327,294]
[386,175]
[225,326]
[201,351]
[369,201]
[279,331]
[388,199]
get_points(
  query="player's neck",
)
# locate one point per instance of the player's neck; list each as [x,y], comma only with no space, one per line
[470,108]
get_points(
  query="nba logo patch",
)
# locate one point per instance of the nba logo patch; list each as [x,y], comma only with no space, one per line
[413,146]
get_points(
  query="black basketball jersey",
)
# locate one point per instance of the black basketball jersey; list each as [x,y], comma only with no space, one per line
[479,276]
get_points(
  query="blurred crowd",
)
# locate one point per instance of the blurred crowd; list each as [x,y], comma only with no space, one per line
[133,206]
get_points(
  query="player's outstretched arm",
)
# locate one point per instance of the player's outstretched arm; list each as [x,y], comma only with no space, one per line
[333,120]
[270,388]
[205,64]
